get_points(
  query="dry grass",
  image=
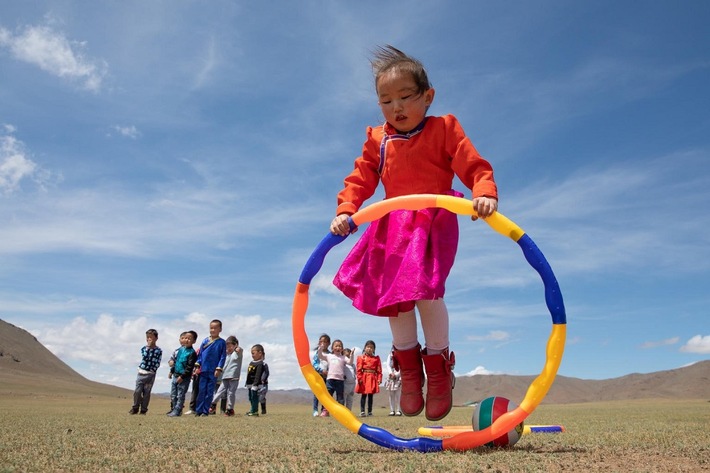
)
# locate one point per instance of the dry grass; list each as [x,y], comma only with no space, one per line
[96,434]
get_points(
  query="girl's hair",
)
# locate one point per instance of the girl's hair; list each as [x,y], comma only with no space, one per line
[370,342]
[232,340]
[336,341]
[388,58]
[323,335]
[258,348]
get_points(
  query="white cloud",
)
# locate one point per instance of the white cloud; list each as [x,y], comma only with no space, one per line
[480,370]
[15,165]
[127,131]
[52,52]
[697,344]
[660,343]
[107,348]
[492,336]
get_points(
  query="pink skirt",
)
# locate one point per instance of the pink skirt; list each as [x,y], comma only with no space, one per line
[401,258]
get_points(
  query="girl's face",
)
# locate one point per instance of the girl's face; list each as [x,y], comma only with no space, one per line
[337,348]
[369,349]
[323,342]
[402,105]
[256,355]
[230,348]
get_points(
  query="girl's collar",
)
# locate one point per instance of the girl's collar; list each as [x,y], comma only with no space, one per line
[391,130]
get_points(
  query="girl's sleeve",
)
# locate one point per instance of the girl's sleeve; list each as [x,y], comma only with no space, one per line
[475,172]
[361,183]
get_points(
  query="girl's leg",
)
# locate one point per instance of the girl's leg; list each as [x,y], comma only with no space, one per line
[370,397]
[435,325]
[340,392]
[315,405]
[254,401]
[362,404]
[408,360]
[231,393]
[404,330]
[221,391]
[438,361]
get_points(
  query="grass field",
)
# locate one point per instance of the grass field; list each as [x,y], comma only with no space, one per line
[96,434]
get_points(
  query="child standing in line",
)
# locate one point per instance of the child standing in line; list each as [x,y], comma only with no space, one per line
[195,386]
[350,380]
[151,356]
[403,259]
[223,401]
[335,380]
[369,377]
[320,366]
[182,371]
[264,386]
[393,386]
[210,362]
[253,383]
[171,364]
[230,375]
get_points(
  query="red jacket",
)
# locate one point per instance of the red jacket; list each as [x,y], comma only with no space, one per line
[421,162]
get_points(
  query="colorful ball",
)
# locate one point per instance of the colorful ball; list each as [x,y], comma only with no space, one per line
[487,411]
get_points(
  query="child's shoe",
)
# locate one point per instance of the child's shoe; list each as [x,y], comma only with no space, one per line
[409,364]
[252,414]
[324,413]
[174,413]
[229,412]
[440,382]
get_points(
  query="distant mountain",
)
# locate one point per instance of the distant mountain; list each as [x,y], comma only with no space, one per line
[690,382]
[26,365]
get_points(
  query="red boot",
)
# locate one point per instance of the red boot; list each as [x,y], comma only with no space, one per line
[409,364]
[440,382]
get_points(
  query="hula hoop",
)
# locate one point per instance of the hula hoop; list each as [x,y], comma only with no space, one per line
[462,440]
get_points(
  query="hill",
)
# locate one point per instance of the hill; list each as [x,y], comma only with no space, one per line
[26,366]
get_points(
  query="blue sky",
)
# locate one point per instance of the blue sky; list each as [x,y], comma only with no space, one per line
[166,163]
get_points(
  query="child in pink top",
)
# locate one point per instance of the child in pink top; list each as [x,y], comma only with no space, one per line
[335,380]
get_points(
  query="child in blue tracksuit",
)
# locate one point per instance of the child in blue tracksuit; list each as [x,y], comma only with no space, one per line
[210,361]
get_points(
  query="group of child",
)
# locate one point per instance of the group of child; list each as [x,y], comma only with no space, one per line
[215,366]
[345,374]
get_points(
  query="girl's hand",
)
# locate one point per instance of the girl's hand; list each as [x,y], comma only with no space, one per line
[340,225]
[484,207]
